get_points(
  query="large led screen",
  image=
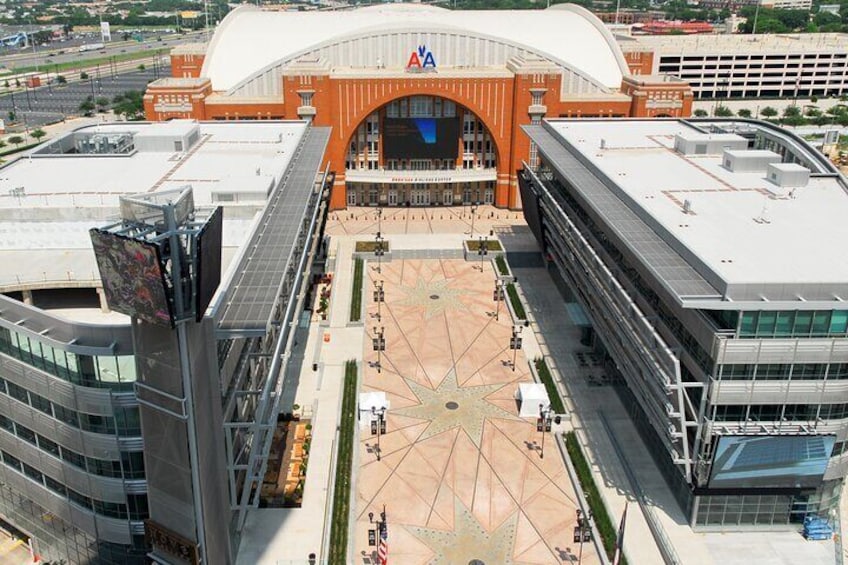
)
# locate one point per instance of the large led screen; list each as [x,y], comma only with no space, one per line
[209,260]
[132,276]
[420,138]
[770,461]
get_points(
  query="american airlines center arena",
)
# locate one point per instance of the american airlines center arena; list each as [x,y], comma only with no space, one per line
[425,104]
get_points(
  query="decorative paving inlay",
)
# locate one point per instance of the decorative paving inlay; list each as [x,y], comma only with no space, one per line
[469,414]
[469,542]
[435,296]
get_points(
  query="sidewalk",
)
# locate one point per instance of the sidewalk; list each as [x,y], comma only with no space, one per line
[277,536]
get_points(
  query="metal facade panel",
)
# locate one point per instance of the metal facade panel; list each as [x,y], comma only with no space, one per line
[256,288]
[669,267]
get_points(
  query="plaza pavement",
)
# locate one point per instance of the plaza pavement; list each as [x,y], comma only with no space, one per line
[460,474]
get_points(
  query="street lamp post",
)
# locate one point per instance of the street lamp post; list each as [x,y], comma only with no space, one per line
[379,220]
[379,298]
[379,343]
[515,343]
[498,296]
[381,528]
[483,250]
[473,214]
[543,424]
[582,531]
[378,251]
[378,425]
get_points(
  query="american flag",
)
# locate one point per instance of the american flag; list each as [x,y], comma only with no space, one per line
[383,548]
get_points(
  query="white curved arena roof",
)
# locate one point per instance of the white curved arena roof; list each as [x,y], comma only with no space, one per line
[250,39]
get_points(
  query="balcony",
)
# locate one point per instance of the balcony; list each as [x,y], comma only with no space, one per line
[382,176]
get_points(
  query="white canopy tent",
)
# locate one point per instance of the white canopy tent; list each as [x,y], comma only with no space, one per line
[530,396]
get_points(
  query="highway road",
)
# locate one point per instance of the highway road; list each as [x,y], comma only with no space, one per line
[64,52]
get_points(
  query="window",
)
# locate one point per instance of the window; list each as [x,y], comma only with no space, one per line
[133,463]
[47,445]
[25,433]
[80,499]
[33,473]
[111,509]
[65,415]
[17,392]
[73,458]
[11,461]
[104,467]
[6,424]
[137,504]
[55,486]
[96,423]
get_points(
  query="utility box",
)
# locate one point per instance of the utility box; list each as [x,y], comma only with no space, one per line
[33,82]
[788,175]
[752,161]
[697,143]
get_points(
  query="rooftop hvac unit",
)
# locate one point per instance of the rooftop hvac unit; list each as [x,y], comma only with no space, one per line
[788,175]
[748,161]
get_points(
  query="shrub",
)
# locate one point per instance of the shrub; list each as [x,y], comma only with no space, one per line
[550,387]
[356,293]
[341,497]
[517,307]
[500,260]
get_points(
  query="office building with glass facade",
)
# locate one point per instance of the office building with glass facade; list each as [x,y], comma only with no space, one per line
[93,442]
[707,255]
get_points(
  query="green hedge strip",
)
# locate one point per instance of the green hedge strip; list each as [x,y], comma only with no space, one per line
[501,262]
[344,461]
[517,307]
[605,525]
[550,387]
[356,294]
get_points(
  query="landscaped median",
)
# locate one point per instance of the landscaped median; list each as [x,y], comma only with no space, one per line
[515,301]
[337,554]
[547,379]
[356,293]
[602,519]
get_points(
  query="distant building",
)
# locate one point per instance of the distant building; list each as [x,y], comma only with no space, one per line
[672,28]
[745,66]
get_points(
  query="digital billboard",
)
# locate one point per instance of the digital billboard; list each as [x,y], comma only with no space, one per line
[420,138]
[770,461]
[132,276]
[209,260]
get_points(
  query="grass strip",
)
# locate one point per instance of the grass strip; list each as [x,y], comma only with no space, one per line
[491,245]
[603,522]
[344,461]
[550,387]
[356,293]
[501,262]
[370,246]
[517,307]
[85,64]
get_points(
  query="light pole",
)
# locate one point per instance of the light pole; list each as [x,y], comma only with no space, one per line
[379,298]
[473,213]
[378,251]
[483,250]
[543,424]
[378,425]
[381,529]
[379,344]
[498,296]
[582,531]
[379,220]
[515,344]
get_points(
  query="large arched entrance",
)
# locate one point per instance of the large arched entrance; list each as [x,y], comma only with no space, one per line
[420,150]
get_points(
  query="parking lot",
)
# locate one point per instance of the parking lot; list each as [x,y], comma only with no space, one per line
[34,107]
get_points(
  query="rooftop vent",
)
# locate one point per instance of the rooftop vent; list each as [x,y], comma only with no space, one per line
[788,175]
[748,161]
[697,143]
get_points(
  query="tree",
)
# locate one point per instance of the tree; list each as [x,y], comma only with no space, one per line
[61,79]
[129,104]
[768,112]
[12,116]
[37,134]
[83,75]
[87,106]
[141,67]
[2,144]
[102,103]
[723,111]
[699,113]
[16,140]
[6,84]
[744,113]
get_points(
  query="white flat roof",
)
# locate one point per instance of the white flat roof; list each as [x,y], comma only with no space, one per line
[798,43]
[744,228]
[249,39]
[44,232]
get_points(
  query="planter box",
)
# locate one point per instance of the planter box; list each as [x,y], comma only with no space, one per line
[505,278]
[471,246]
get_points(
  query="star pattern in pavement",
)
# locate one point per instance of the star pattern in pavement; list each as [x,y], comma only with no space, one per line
[435,296]
[469,407]
[468,542]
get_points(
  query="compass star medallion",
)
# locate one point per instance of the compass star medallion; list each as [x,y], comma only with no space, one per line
[450,406]
[434,296]
[469,542]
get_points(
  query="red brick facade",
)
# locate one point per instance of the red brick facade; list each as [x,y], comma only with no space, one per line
[503,101]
